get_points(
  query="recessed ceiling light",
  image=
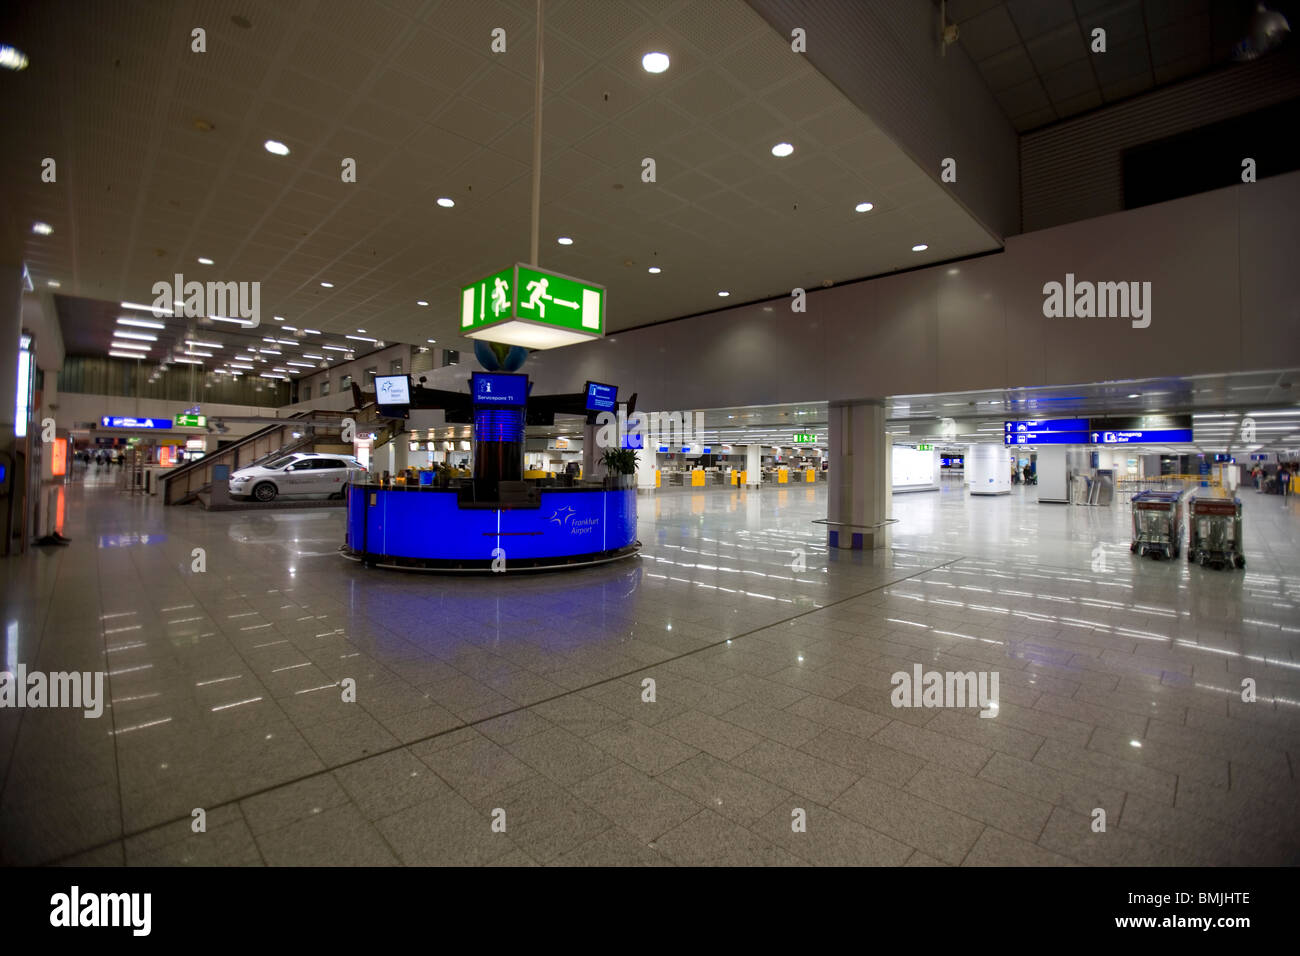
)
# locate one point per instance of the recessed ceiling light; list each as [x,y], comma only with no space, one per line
[327,285]
[141,336]
[445,202]
[204,261]
[53,283]
[12,58]
[654,270]
[920,247]
[655,62]
[1135,395]
[564,241]
[42,228]
[724,293]
[140,323]
[863,207]
[421,302]
[130,355]
[276,147]
[119,344]
[431,341]
[782,149]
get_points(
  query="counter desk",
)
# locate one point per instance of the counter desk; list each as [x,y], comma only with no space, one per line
[450,529]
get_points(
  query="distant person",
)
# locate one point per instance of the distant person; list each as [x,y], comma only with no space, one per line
[1284,480]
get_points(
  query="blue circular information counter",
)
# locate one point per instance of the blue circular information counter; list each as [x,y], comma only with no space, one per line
[435,529]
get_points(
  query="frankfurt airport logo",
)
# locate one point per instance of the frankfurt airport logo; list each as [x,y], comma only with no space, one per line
[225,301]
[1100,300]
[562,515]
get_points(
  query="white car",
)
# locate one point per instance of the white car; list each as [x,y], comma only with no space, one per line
[302,473]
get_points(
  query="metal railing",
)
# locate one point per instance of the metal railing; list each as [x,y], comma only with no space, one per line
[183,483]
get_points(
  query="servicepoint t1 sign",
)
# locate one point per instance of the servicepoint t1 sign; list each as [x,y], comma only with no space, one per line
[532,308]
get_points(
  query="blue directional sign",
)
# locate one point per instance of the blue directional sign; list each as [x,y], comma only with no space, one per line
[1050,431]
[1158,436]
[120,421]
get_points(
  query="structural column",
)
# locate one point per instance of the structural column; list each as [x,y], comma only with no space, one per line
[753,465]
[859,497]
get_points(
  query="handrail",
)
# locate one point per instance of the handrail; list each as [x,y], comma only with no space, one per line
[184,482]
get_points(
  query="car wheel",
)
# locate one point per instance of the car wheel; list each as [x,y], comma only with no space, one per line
[336,496]
[265,491]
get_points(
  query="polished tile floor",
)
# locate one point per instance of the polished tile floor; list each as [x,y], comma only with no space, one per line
[519,700]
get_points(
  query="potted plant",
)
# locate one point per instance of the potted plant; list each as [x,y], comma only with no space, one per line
[620,467]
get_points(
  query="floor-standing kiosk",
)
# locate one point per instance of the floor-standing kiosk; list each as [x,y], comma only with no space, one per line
[497,520]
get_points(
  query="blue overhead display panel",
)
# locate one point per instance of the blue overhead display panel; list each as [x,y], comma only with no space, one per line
[601,398]
[499,389]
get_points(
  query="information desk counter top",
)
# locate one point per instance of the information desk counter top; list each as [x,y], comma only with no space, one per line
[430,528]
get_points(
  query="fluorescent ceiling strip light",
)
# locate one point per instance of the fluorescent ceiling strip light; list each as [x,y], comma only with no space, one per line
[140,323]
[147,308]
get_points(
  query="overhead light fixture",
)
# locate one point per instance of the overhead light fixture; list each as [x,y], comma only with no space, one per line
[654,62]
[782,150]
[276,147]
[191,352]
[203,345]
[270,351]
[327,285]
[864,207]
[654,270]
[920,247]
[141,336]
[204,261]
[140,323]
[724,293]
[431,341]
[359,338]
[12,58]
[421,302]
[310,356]
[42,228]
[312,331]
[248,324]
[445,202]
[335,348]
[564,241]
[289,328]
[119,344]
[362,331]
[130,355]
[54,283]
[187,361]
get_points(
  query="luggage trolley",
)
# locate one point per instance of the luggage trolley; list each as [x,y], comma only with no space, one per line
[1157,523]
[1214,532]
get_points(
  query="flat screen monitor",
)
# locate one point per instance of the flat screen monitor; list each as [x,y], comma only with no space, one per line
[499,390]
[601,398]
[392,390]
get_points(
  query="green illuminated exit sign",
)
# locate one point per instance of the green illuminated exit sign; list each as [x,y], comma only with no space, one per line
[805,438]
[925,448]
[191,421]
[534,308]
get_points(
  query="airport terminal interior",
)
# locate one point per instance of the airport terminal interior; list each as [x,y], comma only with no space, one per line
[650,432]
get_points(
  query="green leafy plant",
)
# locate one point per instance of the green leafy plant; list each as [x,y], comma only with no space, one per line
[619,461]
